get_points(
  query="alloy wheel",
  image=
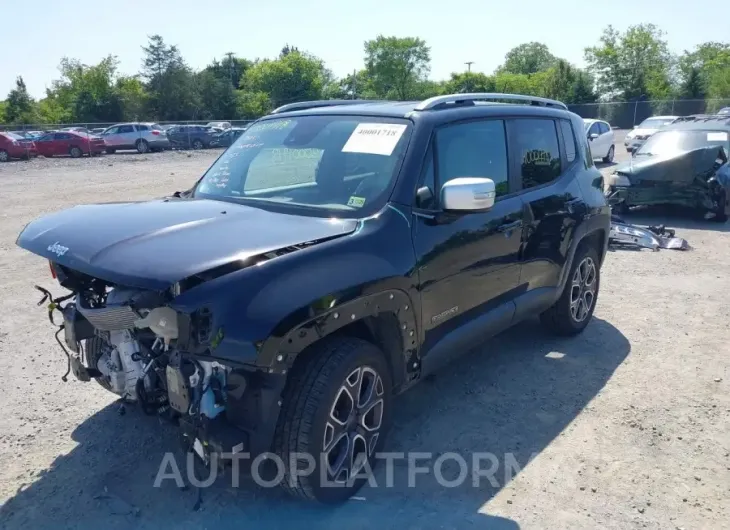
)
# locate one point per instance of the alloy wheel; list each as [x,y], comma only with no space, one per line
[353,424]
[4,156]
[583,289]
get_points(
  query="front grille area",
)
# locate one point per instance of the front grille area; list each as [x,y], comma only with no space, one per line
[110,318]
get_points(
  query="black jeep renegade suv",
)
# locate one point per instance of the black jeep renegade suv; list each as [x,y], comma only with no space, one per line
[332,257]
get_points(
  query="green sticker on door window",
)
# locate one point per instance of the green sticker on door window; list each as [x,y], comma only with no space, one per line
[357,202]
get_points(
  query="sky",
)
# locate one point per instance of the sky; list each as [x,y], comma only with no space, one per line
[468,30]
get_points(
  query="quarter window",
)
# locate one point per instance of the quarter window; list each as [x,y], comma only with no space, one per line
[473,149]
[536,146]
[568,140]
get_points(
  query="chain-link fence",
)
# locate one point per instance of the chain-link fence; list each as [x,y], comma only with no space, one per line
[626,114]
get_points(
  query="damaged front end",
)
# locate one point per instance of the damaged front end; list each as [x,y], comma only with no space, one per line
[136,345]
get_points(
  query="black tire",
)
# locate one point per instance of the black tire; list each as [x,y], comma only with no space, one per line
[313,398]
[609,156]
[94,349]
[142,146]
[562,318]
[110,151]
[720,199]
[4,156]
[198,144]
[75,152]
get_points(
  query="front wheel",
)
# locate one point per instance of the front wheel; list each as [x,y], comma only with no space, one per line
[4,156]
[574,309]
[335,411]
[198,144]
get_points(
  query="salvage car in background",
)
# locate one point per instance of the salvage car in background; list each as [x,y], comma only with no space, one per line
[227,137]
[143,137]
[191,136]
[685,164]
[641,133]
[600,135]
[15,146]
[70,143]
[222,125]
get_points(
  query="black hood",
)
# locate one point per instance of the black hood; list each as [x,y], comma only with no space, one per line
[156,243]
[678,167]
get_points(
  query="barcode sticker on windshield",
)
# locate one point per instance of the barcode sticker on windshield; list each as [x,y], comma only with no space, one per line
[716,136]
[374,138]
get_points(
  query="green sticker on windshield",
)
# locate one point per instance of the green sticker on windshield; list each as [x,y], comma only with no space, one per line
[357,202]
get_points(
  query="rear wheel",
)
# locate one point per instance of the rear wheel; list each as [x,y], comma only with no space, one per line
[335,410]
[4,156]
[142,146]
[609,156]
[110,151]
[574,309]
[198,144]
[719,198]
[75,152]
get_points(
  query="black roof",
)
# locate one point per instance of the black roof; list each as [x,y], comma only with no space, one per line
[406,109]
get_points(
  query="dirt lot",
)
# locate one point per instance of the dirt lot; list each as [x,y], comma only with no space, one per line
[629,423]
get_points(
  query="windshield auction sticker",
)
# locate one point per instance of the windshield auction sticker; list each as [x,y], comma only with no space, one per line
[716,136]
[374,138]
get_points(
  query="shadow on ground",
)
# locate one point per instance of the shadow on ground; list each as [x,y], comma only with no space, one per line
[673,217]
[513,396]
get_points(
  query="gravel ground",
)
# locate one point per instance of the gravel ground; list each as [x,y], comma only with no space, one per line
[627,424]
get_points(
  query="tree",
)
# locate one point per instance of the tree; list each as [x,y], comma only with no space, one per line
[132,96]
[631,64]
[171,84]
[3,106]
[286,50]
[19,106]
[217,96]
[528,58]
[396,66]
[230,67]
[693,85]
[469,82]
[294,77]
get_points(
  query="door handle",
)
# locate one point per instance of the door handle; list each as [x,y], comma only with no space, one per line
[508,227]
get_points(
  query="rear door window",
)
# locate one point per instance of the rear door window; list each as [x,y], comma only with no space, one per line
[535,144]
[125,129]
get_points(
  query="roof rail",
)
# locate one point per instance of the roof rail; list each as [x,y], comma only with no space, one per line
[304,105]
[438,102]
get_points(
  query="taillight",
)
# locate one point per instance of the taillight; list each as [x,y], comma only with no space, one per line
[156,133]
[53,271]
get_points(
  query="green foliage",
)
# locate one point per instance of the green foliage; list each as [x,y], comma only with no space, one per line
[632,64]
[292,77]
[19,106]
[397,66]
[623,66]
[528,58]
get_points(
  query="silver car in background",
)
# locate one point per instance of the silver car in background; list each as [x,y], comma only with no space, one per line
[144,137]
[641,133]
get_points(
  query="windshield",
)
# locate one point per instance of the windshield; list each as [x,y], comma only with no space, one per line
[672,142]
[343,165]
[655,123]
[14,136]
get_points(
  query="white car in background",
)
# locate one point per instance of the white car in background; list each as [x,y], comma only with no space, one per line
[600,135]
[641,133]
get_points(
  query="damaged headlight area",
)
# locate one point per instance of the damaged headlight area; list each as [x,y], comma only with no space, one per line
[133,343]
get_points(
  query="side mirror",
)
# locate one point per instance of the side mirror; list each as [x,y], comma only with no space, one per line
[465,194]
[593,136]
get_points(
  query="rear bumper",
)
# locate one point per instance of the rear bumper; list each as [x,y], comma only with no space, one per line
[159,143]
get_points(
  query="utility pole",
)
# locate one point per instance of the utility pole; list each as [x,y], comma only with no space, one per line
[468,77]
[230,67]
[354,84]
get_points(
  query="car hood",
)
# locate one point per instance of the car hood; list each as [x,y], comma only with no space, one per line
[156,243]
[640,132]
[678,167]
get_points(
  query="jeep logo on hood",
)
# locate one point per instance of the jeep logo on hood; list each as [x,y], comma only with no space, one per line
[58,250]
